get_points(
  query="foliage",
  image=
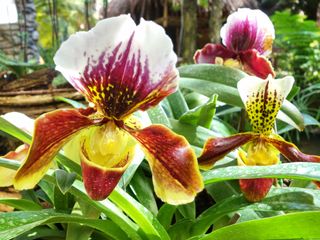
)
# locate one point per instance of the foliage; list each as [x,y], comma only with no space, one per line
[59,208]
[70,18]
[297,47]
[297,53]
[133,212]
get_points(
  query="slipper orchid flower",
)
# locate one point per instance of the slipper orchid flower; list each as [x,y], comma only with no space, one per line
[120,68]
[247,40]
[262,99]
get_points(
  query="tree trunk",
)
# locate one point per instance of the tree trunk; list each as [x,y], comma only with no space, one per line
[28,25]
[215,20]
[188,34]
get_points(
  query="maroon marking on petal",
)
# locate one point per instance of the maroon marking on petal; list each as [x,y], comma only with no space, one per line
[255,190]
[120,82]
[291,152]
[99,183]
[52,130]
[210,51]
[172,162]
[256,64]
[243,36]
[216,148]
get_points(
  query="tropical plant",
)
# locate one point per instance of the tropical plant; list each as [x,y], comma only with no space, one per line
[59,207]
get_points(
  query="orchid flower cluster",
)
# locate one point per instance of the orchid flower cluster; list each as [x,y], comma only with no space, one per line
[248,36]
[121,68]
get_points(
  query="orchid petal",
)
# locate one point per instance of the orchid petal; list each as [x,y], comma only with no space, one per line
[212,53]
[255,190]
[175,174]
[20,120]
[291,151]
[120,67]
[256,64]
[263,99]
[51,131]
[106,152]
[7,175]
[248,29]
[216,148]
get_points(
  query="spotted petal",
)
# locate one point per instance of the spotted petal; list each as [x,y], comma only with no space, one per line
[120,67]
[216,148]
[175,174]
[212,53]
[263,99]
[51,131]
[248,29]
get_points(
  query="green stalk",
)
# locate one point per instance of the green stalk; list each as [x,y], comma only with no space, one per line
[145,219]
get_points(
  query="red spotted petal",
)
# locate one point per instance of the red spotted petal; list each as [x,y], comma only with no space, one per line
[256,64]
[99,182]
[248,29]
[52,130]
[120,67]
[175,173]
[291,151]
[210,52]
[216,148]
[255,190]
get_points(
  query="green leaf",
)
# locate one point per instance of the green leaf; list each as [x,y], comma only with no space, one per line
[145,219]
[165,214]
[12,130]
[195,135]
[278,199]
[158,116]
[195,99]
[290,114]
[212,73]
[177,104]
[73,103]
[48,190]
[63,202]
[42,232]
[188,210]
[226,93]
[64,180]
[307,171]
[142,188]
[180,230]
[21,204]
[307,119]
[131,207]
[290,226]
[201,115]
[15,223]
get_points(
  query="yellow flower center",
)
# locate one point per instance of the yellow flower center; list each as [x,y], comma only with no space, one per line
[108,145]
[260,153]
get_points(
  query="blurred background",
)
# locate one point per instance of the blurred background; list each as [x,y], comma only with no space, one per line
[32,30]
